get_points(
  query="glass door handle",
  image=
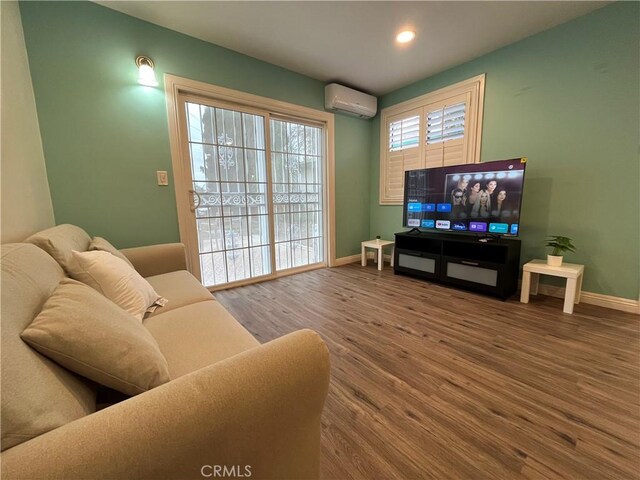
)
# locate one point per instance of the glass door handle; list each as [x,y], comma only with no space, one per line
[195,200]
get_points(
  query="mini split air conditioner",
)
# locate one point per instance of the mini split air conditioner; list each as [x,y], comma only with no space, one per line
[347,100]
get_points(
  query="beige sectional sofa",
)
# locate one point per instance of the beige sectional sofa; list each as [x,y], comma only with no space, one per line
[231,403]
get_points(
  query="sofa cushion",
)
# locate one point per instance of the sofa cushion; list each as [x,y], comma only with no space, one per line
[197,335]
[117,281]
[60,242]
[179,288]
[87,333]
[38,395]
[99,243]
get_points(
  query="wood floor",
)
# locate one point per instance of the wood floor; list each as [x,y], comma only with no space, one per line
[433,382]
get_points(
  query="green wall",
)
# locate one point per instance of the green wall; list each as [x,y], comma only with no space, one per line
[104,136]
[568,99]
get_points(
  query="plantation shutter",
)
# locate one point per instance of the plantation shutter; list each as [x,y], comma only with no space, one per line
[402,152]
[446,128]
[404,133]
[439,128]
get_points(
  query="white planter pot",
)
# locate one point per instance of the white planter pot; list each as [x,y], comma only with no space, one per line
[554,260]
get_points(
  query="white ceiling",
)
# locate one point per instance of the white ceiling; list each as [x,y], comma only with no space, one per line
[353,42]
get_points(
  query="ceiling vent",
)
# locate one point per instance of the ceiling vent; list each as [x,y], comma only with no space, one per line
[347,100]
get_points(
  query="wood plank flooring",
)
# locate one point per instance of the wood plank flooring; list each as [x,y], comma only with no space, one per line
[433,382]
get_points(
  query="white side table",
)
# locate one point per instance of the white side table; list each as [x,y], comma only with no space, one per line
[571,271]
[378,245]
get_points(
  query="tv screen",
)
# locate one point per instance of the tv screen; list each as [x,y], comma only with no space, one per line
[482,198]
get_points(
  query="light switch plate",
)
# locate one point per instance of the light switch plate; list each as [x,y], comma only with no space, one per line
[163,177]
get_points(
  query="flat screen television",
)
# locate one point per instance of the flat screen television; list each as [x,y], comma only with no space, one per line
[479,198]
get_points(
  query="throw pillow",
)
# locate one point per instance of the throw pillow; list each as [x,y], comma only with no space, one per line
[99,243]
[117,281]
[60,241]
[90,335]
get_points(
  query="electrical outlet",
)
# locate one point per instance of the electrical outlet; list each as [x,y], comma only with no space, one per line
[163,177]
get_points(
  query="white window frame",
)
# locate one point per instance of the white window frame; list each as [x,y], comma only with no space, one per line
[176,87]
[473,89]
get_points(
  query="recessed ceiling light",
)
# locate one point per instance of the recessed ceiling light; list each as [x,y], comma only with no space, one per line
[406,36]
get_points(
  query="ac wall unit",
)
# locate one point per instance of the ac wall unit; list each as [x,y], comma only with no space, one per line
[347,100]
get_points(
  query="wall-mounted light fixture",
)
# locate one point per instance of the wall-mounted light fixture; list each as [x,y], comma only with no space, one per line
[146,75]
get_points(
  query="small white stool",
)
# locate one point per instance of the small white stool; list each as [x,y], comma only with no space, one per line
[571,271]
[378,245]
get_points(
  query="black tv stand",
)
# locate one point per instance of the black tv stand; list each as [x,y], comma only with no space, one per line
[414,230]
[464,261]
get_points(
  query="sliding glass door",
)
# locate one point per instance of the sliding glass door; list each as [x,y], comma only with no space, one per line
[256,186]
[296,173]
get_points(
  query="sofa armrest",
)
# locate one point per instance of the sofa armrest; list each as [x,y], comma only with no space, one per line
[260,409]
[157,259]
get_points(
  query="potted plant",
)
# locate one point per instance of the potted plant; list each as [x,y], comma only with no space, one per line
[560,245]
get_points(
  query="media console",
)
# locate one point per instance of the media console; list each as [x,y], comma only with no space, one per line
[460,260]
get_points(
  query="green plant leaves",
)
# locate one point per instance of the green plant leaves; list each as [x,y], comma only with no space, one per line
[560,244]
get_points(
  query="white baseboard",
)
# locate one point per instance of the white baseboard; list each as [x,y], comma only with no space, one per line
[607,301]
[356,259]
[347,260]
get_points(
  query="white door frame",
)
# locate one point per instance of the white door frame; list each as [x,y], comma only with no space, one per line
[174,87]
